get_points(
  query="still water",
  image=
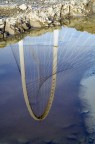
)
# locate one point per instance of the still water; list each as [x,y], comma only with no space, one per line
[47,93]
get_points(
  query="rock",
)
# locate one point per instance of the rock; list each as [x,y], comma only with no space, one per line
[93,8]
[35,24]
[7,2]
[1,23]
[1,26]
[45,16]
[85,1]
[25,27]
[9,27]
[17,12]
[73,3]
[23,7]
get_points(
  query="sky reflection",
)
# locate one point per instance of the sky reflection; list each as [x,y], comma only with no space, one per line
[65,123]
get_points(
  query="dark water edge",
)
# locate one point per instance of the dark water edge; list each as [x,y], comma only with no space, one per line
[67,120]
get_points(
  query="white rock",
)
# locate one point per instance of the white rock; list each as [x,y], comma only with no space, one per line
[35,24]
[1,22]
[23,7]
[85,1]
[73,2]
[7,2]
[1,26]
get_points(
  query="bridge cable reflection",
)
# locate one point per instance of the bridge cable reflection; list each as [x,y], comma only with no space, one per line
[53,83]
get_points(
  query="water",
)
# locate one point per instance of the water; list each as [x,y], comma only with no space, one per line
[60,66]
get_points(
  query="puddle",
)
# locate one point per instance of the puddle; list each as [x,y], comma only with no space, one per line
[55,67]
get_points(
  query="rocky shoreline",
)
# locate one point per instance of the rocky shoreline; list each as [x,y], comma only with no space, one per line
[19,18]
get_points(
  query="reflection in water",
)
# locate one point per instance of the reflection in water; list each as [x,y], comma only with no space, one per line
[68,64]
[89,96]
[53,85]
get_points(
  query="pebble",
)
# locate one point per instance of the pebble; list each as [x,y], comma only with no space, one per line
[23,7]
[7,2]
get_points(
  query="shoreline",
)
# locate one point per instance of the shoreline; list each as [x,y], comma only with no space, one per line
[20,18]
[86,24]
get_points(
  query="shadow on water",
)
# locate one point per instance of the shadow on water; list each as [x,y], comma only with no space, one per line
[72,66]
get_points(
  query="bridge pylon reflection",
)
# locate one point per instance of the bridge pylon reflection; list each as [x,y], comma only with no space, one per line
[53,82]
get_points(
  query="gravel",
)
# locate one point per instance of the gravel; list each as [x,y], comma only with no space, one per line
[34,1]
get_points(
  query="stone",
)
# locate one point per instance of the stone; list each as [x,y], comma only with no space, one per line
[1,23]
[35,24]
[7,2]
[23,7]
[1,26]
[73,3]
[24,26]
[85,1]
[9,27]
[39,16]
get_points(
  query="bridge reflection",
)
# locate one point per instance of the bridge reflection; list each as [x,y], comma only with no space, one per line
[53,81]
[65,123]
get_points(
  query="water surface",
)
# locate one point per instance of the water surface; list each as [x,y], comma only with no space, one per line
[71,118]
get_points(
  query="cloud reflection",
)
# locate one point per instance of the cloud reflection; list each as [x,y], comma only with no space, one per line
[64,124]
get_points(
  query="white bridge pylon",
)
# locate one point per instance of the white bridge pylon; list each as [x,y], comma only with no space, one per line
[53,83]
